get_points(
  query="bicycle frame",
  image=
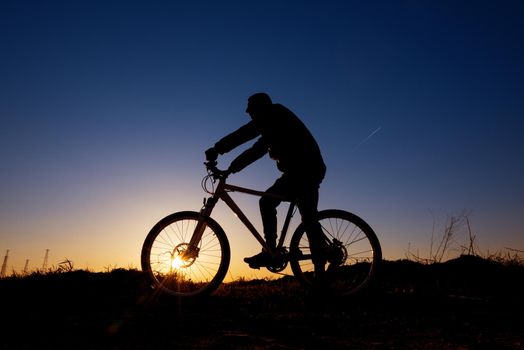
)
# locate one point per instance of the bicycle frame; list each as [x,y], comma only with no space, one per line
[172,261]
[222,192]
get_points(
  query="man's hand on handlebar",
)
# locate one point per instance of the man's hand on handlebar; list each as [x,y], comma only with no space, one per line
[211,165]
[215,172]
[211,154]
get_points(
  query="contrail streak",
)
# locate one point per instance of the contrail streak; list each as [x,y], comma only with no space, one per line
[368,137]
[373,133]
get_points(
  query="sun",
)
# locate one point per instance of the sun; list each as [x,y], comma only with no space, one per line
[177,262]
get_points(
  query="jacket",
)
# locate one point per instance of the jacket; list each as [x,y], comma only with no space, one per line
[284,136]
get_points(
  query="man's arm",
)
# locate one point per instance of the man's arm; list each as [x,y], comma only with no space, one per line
[236,138]
[250,155]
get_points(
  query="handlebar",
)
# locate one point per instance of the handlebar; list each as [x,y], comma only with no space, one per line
[214,172]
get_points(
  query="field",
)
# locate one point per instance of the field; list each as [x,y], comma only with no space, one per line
[466,303]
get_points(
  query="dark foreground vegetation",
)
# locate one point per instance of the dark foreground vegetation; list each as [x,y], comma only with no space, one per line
[466,303]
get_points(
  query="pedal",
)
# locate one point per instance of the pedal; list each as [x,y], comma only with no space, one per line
[254,267]
[251,264]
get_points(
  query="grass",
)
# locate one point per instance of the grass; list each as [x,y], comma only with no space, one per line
[454,298]
[458,239]
[460,303]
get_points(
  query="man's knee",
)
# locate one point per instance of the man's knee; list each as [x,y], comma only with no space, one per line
[267,204]
[309,216]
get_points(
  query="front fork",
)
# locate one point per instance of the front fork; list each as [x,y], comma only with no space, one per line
[193,249]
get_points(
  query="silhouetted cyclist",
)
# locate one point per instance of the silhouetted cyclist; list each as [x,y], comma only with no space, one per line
[298,157]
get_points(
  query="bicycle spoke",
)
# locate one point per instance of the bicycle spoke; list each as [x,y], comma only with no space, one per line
[354,252]
[163,256]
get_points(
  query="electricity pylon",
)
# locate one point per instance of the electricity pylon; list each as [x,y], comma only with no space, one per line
[26,267]
[4,265]
[46,257]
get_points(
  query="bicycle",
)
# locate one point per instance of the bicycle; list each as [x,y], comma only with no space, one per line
[188,254]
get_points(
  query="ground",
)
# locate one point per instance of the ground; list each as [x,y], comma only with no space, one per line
[467,303]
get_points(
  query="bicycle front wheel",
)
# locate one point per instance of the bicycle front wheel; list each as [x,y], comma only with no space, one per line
[353,257]
[166,262]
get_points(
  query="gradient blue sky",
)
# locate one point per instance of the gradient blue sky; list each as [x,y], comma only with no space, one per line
[106,108]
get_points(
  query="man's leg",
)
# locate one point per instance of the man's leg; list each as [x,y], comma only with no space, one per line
[307,202]
[268,212]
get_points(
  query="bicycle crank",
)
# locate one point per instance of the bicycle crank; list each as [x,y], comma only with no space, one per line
[279,262]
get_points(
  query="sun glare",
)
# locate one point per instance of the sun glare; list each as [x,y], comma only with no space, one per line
[177,262]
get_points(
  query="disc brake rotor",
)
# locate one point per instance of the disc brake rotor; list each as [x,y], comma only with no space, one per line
[179,257]
[339,254]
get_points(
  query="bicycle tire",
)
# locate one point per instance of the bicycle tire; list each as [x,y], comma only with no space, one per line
[160,256]
[356,249]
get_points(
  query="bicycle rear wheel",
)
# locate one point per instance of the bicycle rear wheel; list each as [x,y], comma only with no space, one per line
[171,270]
[353,258]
